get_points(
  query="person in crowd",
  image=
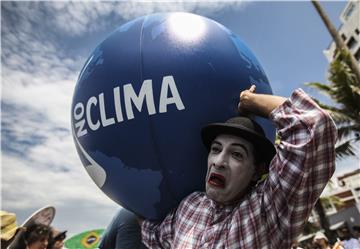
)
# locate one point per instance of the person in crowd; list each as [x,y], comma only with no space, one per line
[9,228]
[295,245]
[237,209]
[348,241]
[36,236]
[122,232]
[356,230]
[321,241]
[56,240]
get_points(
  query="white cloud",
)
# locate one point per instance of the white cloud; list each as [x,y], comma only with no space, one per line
[28,186]
[51,98]
[77,18]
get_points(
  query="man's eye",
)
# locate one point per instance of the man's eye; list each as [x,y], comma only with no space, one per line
[238,155]
[215,149]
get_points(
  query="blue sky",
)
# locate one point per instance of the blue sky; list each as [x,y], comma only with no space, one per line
[45,45]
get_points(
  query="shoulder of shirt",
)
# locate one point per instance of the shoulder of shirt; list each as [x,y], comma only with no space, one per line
[194,197]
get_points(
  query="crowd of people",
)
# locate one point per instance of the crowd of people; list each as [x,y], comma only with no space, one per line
[29,236]
[41,236]
[345,240]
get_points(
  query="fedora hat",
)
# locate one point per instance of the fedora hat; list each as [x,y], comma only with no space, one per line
[243,127]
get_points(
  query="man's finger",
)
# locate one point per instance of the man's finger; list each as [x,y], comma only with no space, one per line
[252,88]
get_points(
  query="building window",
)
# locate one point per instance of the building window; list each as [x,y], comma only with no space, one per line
[349,11]
[357,57]
[343,37]
[351,43]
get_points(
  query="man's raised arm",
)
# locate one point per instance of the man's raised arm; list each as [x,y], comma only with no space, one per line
[303,164]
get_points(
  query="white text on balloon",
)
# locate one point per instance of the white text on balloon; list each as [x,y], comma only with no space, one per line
[130,99]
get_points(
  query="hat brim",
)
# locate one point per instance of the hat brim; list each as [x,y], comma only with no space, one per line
[262,145]
[42,216]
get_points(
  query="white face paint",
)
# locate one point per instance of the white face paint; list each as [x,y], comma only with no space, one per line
[230,168]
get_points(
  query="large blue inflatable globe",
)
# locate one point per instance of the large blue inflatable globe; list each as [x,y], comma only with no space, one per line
[142,98]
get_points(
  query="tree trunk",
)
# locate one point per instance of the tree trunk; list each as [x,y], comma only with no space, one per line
[338,41]
[324,222]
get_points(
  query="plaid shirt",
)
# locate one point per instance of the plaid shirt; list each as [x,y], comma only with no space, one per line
[274,212]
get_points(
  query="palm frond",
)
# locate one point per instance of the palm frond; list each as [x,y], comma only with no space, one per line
[355,89]
[344,89]
[337,114]
[344,150]
[348,131]
[321,87]
[333,199]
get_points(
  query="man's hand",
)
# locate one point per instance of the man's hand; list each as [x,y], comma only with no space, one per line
[258,104]
[245,101]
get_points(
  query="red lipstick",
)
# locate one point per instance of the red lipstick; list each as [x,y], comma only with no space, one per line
[217,180]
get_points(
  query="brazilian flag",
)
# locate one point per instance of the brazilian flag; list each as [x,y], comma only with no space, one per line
[85,240]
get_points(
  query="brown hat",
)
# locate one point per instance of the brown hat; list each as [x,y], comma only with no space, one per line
[242,127]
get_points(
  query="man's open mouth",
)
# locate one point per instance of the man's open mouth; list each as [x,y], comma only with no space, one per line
[217,180]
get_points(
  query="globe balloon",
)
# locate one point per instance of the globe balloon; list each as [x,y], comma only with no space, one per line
[142,97]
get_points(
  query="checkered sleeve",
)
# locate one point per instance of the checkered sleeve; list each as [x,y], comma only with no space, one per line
[304,163]
[158,234]
[165,234]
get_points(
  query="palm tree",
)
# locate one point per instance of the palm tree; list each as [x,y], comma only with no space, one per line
[344,90]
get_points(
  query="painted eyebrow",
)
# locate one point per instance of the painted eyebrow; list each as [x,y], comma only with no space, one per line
[242,146]
[216,142]
[234,144]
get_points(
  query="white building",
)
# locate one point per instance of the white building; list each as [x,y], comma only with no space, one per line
[349,31]
[341,201]
[346,191]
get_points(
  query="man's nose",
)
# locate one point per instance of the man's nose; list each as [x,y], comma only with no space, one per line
[221,161]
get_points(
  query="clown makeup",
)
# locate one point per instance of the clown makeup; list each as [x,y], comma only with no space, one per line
[231,168]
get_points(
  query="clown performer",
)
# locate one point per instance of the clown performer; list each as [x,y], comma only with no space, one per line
[240,207]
